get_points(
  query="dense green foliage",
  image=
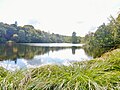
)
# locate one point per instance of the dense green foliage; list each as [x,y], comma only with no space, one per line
[98,74]
[28,34]
[106,35]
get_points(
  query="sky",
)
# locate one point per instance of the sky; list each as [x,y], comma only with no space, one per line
[59,16]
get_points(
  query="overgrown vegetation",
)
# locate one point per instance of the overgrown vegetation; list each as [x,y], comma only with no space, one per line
[99,74]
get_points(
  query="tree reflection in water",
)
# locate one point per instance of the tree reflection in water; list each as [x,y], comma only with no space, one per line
[15,51]
[95,51]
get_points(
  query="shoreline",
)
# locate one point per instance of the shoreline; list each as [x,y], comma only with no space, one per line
[100,73]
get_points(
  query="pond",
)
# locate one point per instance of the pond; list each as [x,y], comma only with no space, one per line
[30,55]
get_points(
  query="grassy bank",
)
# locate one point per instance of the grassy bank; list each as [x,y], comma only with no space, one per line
[99,74]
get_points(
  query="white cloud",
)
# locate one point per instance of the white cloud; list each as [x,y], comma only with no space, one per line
[59,16]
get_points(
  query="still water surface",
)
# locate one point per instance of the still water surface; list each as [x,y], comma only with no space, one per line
[30,55]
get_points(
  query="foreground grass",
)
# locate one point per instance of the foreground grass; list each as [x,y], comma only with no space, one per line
[99,74]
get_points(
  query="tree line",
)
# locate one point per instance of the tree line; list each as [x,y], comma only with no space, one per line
[106,35]
[28,34]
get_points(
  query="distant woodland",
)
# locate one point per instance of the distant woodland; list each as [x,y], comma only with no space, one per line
[28,34]
[106,35]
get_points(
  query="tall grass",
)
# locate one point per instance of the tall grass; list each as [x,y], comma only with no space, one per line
[99,74]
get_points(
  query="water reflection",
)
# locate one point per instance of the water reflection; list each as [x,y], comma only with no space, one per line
[73,49]
[95,51]
[12,52]
[25,55]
